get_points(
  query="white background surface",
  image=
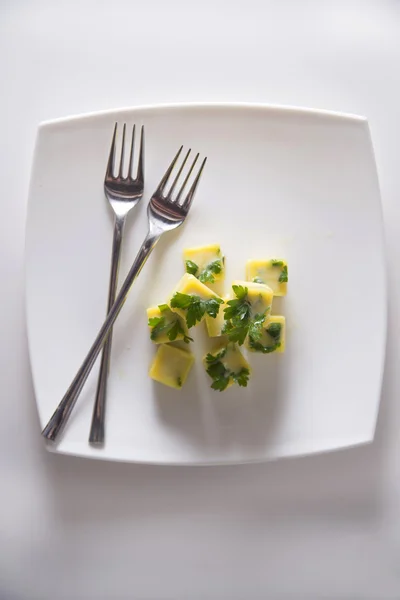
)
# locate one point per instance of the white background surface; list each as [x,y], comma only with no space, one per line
[321,527]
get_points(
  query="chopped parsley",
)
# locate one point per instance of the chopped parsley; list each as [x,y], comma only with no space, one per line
[221,375]
[191,268]
[274,330]
[207,275]
[179,381]
[196,307]
[276,263]
[283,277]
[242,377]
[258,347]
[239,321]
[171,327]
[258,280]
[256,326]
[163,307]
[213,268]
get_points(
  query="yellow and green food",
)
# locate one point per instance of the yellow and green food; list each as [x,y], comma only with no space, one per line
[171,365]
[216,324]
[272,337]
[192,300]
[242,317]
[226,366]
[206,263]
[248,312]
[272,272]
[166,325]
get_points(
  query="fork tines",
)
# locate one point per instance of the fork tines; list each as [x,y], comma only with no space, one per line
[161,189]
[111,159]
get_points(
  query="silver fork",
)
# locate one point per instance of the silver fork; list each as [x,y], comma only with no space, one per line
[165,213]
[123,193]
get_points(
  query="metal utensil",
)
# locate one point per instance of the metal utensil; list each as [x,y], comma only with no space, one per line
[123,194]
[165,213]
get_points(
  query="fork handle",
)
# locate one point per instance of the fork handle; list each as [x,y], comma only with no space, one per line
[64,409]
[99,410]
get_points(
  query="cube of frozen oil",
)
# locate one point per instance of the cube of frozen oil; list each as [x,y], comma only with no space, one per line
[215,326]
[205,262]
[273,337]
[273,272]
[259,297]
[226,365]
[165,325]
[171,365]
[194,291]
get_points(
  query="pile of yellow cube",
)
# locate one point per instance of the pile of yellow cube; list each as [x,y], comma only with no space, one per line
[199,297]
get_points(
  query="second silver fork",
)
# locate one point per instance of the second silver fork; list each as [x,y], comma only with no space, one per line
[123,194]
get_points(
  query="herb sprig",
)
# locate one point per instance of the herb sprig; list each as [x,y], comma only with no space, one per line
[195,307]
[171,328]
[207,275]
[239,320]
[221,375]
[274,330]
[283,277]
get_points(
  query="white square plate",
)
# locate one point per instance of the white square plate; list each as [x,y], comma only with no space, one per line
[288,182]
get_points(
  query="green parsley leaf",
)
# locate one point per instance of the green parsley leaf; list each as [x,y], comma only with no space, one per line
[191,267]
[212,306]
[196,307]
[242,377]
[216,369]
[258,347]
[171,328]
[219,374]
[207,275]
[256,326]
[237,315]
[274,330]
[176,330]
[180,300]
[179,381]
[220,383]
[276,263]
[283,277]
[240,291]
[163,307]
[258,280]
[235,333]
[159,326]
[153,321]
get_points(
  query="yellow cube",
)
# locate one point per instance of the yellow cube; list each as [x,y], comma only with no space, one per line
[273,272]
[171,366]
[273,338]
[259,296]
[214,326]
[190,286]
[226,365]
[165,325]
[206,263]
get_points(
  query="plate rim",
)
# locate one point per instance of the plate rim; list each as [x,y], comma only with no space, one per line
[257,106]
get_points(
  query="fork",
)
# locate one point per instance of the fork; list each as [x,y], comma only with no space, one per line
[164,213]
[123,194]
